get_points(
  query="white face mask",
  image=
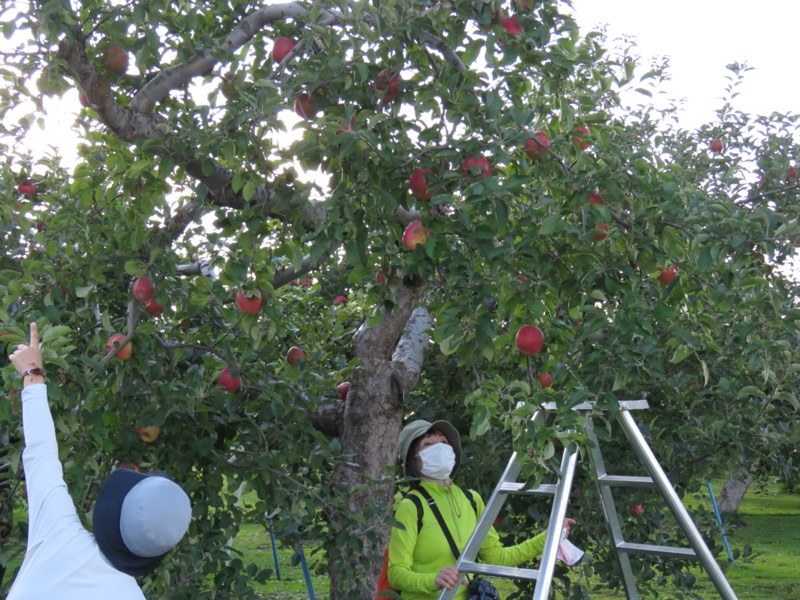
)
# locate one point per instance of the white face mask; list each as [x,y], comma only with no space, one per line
[438,461]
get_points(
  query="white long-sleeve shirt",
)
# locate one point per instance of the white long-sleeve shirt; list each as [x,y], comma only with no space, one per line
[62,560]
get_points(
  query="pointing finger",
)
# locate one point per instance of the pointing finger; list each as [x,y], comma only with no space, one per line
[34,335]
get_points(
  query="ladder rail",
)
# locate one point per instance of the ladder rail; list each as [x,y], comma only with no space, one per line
[610,513]
[657,479]
[674,502]
[547,562]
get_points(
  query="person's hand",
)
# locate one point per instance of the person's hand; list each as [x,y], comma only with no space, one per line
[448,577]
[25,357]
[567,524]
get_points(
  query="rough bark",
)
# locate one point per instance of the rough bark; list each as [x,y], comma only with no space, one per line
[390,356]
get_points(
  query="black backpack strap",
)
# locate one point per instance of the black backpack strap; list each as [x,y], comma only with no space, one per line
[470,494]
[418,503]
[436,513]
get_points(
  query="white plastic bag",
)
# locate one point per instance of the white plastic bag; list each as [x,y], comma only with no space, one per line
[568,553]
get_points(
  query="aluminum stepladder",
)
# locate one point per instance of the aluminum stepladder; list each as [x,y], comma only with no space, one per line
[543,576]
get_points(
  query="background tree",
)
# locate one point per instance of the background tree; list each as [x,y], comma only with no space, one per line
[649,256]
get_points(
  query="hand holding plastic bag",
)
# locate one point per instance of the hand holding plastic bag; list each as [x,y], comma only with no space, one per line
[568,552]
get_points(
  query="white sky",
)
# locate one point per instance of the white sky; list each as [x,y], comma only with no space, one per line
[701,37]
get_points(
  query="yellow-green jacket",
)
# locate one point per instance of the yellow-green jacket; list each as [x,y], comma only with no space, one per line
[415,558]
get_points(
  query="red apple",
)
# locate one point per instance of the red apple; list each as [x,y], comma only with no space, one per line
[716,145]
[161,372]
[667,276]
[530,340]
[415,234]
[418,185]
[380,278]
[125,352]
[115,59]
[580,139]
[131,465]
[595,198]
[342,389]
[601,231]
[340,300]
[228,87]
[27,188]
[295,355]
[511,25]
[148,434]
[792,174]
[227,381]
[283,45]
[152,307]
[305,105]
[143,289]
[637,510]
[537,146]
[387,83]
[347,129]
[84,100]
[545,379]
[249,302]
[477,166]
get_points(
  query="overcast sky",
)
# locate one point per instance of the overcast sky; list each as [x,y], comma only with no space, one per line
[701,37]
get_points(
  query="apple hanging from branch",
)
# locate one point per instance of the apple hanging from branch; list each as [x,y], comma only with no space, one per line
[249,302]
[530,340]
[143,289]
[148,434]
[227,381]
[537,146]
[295,355]
[415,234]
[115,59]
[474,166]
[343,389]
[125,352]
[281,48]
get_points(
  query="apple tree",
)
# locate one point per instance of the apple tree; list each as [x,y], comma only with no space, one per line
[381,194]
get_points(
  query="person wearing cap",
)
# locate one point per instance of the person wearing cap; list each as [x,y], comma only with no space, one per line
[138,518]
[421,562]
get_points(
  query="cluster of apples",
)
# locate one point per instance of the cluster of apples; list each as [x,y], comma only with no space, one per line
[422,183]
[530,341]
[143,289]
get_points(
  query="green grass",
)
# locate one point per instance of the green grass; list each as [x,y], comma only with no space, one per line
[768,522]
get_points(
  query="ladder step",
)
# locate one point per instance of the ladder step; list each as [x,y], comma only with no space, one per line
[652,549]
[498,571]
[519,488]
[626,481]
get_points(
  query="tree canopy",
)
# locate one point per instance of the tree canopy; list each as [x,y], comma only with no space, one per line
[383,194]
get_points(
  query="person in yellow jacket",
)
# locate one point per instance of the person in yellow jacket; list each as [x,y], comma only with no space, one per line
[421,562]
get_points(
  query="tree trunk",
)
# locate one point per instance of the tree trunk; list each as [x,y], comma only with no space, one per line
[390,363]
[733,492]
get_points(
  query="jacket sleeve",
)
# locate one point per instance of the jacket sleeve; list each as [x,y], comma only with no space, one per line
[494,553]
[50,506]
[401,553]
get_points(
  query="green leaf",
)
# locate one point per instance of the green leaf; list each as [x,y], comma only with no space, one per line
[680,354]
[551,225]
[55,332]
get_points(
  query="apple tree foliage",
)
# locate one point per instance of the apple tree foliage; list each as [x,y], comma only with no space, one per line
[195,170]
